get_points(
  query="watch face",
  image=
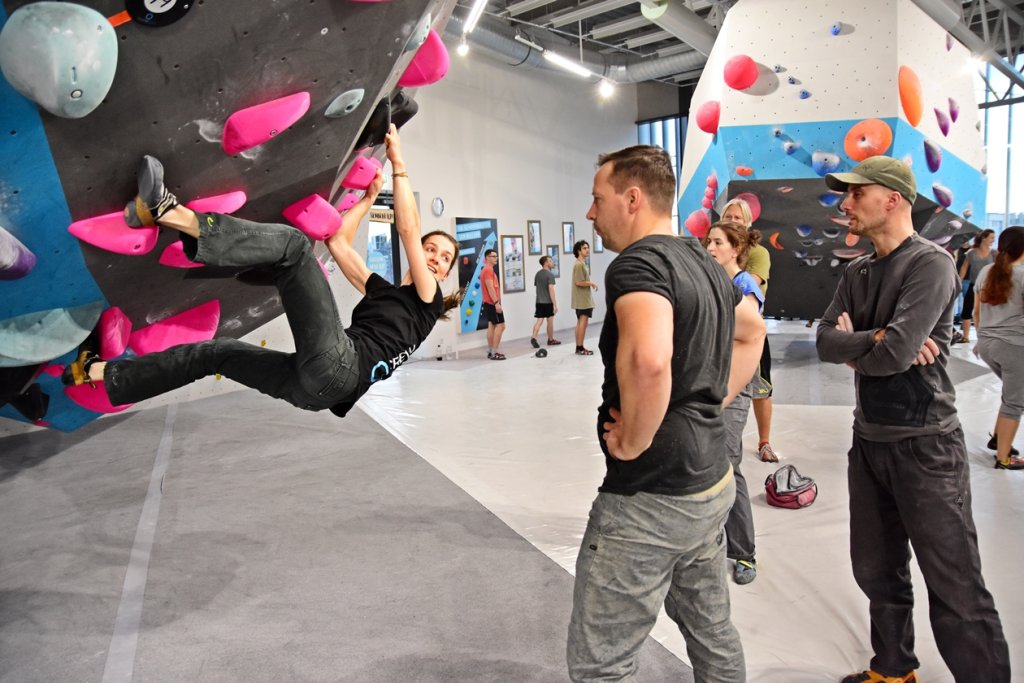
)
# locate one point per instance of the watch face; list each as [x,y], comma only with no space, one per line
[437,206]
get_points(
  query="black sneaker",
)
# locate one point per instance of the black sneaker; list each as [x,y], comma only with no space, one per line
[153,199]
[534,343]
[994,446]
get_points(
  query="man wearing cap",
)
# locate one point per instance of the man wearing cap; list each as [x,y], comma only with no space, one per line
[891,320]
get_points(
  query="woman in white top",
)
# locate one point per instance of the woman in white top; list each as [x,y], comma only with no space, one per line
[999,317]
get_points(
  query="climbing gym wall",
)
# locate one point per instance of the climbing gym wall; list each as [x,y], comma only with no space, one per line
[830,83]
[272,111]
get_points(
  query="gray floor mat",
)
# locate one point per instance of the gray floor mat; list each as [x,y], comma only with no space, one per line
[289,546]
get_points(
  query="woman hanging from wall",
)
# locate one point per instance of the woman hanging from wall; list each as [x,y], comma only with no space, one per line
[332,366]
[999,317]
[730,243]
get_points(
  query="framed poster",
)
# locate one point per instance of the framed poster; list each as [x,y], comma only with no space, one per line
[533,240]
[598,244]
[514,279]
[567,238]
[476,236]
[553,253]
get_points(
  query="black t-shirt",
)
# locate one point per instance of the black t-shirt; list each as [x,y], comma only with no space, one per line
[388,325]
[688,453]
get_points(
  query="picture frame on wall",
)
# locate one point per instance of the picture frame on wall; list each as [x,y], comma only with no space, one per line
[552,250]
[513,275]
[533,238]
[567,237]
[598,244]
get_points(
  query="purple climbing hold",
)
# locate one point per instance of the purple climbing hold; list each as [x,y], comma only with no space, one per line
[830,199]
[789,146]
[777,68]
[836,28]
[954,109]
[932,155]
[792,80]
[804,230]
[16,261]
[943,120]
[804,94]
[943,195]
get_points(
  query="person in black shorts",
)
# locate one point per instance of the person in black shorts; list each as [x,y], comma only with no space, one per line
[547,303]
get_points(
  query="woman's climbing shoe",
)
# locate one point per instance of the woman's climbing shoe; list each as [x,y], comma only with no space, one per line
[153,199]
[77,372]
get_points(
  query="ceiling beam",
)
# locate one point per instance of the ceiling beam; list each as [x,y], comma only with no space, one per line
[585,11]
[619,26]
[517,8]
[647,38]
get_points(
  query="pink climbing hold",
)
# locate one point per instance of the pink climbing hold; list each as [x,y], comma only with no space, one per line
[753,202]
[712,181]
[111,233]
[428,65]
[707,202]
[740,72]
[194,325]
[95,400]
[698,223]
[314,216]
[174,257]
[253,126]
[228,202]
[114,329]
[361,174]
[707,116]
[348,201]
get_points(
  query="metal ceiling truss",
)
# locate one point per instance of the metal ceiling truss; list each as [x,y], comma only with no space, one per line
[637,40]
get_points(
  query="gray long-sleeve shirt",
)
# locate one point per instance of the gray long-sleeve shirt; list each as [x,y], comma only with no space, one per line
[910,293]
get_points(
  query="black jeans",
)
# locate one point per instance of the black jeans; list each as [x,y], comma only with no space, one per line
[919,490]
[321,372]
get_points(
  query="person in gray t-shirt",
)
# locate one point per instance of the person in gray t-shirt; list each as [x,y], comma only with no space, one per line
[999,316]
[547,302]
[891,320]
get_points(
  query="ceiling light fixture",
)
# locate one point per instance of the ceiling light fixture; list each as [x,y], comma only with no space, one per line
[463,48]
[526,41]
[568,65]
[606,89]
[474,16]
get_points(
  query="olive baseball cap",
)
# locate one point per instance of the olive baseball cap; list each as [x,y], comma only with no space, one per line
[880,170]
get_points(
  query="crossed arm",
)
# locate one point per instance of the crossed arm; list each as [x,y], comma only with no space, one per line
[904,340]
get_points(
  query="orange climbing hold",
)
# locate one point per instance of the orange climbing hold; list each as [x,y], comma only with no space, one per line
[744,171]
[911,96]
[868,138]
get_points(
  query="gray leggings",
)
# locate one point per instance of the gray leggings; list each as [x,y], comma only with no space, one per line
[1007,361]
